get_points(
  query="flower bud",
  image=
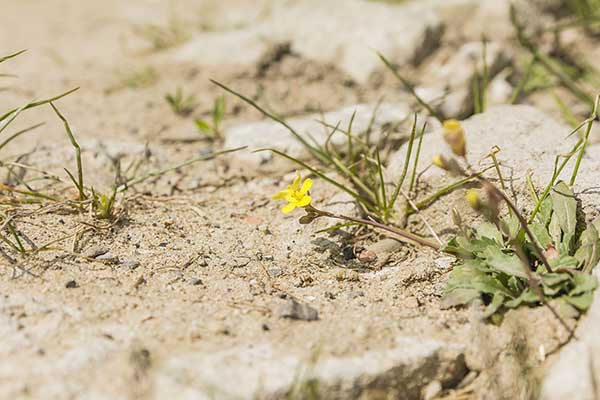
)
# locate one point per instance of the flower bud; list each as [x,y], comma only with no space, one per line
[438,161]
[454,135]
[473,199]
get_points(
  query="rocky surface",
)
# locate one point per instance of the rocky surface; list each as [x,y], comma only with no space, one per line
[575,368]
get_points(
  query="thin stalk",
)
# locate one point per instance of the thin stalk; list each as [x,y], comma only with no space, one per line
[313,150]
[416,162]
[585,141]
[526,76]
[134,181]
[555,174]
[19,133]
[411,89]
[402,233]
[405,167]
[447,189]
[79,182]
[38,103]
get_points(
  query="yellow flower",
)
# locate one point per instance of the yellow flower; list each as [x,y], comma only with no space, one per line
[295,194]
[473,199]
[454,135]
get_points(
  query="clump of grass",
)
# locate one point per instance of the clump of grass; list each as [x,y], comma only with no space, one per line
[359,161]
[555,68]
[213,130]
[164,37]
[136,79]
[180,104]
[50,191]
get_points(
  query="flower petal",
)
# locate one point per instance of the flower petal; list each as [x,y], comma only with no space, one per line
[281,195]
[296,183]
[306,186]
[304,201]
[288,208]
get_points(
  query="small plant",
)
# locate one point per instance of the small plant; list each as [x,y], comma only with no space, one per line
[136,79]
[509,260]
[180,104]
[297,196]
[164,37]
[213,130]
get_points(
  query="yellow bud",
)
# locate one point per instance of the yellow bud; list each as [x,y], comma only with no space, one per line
[438,161]
[454,135]
[473,199]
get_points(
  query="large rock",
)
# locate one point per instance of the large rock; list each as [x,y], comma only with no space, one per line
[528,140]
[576,371]
[270,134]
[261,372]
[340,32]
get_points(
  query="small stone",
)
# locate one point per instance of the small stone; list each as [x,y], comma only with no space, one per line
[275,272]
[130,264]
[108,257]
[196,281]
[292,309]
[71,284]
[432,390]
[367,256]
[95,252]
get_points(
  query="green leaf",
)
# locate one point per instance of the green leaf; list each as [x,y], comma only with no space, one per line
[511,226]
[583,283]
[564,207]
[563,261]
[542,237]
[218,110]
[545,212]
[494,306]
[204,126]
[581,302]
[489,230]
[528,296]
[509,264]
[588,253]
[459,296]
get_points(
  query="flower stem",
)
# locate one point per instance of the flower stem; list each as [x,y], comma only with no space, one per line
[402,233]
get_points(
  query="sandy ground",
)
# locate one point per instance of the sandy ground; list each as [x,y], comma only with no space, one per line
[199,260]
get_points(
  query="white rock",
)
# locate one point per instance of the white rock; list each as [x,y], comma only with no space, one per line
[456,75]
[262,372]
[341,32]
[529,141]
[577,370]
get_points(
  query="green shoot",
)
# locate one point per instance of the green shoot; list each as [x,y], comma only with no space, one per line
[213,130]
[180,104]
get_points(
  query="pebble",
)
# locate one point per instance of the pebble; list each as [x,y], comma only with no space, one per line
[130,264]
[108,257]
[432,390]
[72,284]
[293,309]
